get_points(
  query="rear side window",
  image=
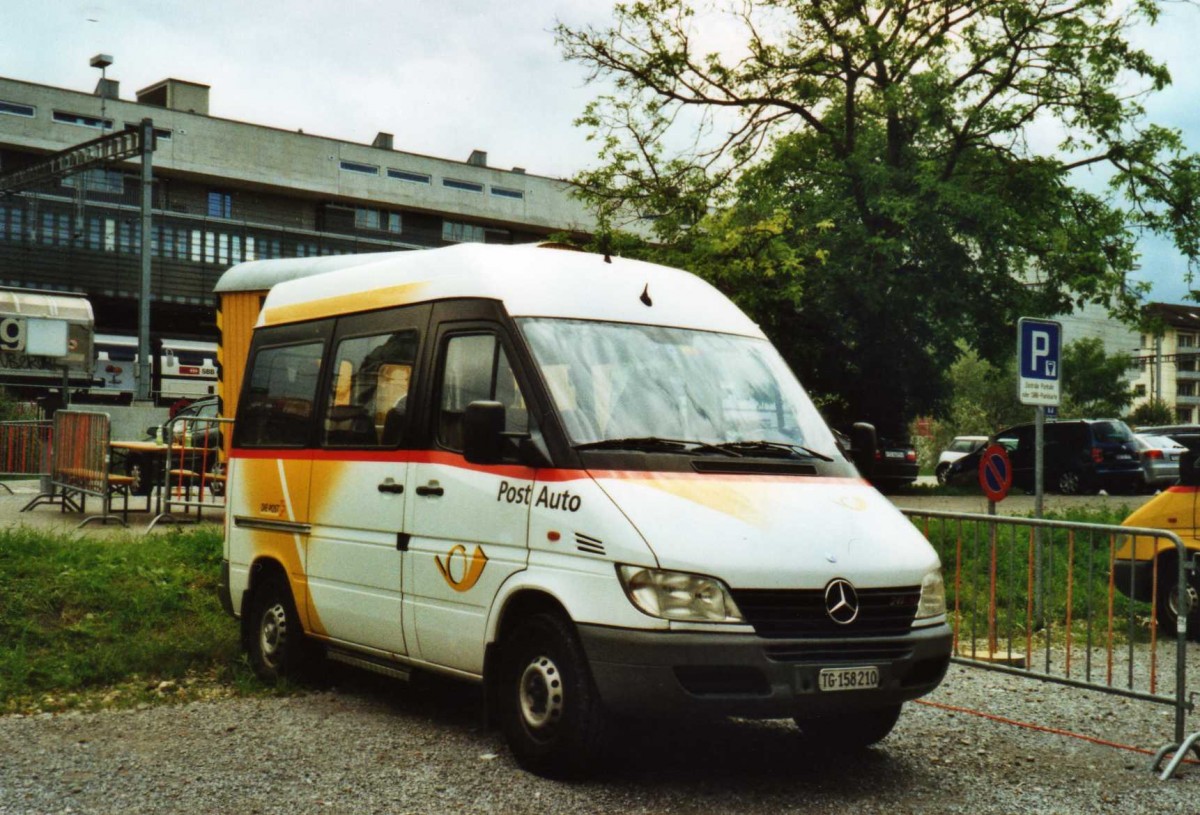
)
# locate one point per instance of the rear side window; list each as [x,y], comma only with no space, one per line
[277,409]
[1111,432]
[368,400]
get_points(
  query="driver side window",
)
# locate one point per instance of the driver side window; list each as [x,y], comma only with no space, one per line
[475,368]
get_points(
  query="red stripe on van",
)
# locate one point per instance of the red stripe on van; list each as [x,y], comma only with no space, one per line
[1182,488]
[517,471]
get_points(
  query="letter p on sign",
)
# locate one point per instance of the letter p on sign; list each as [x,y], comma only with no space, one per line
[1039,349]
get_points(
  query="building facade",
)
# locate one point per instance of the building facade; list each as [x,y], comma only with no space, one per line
[1169,360]
[226,191]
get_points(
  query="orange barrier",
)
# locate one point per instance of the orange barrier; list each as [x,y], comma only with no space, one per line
[25,448]
[193,474]
[1040,599]
[80,467]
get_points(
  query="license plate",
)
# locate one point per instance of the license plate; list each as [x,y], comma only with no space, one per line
[831,679]
[1123,457]
[893,453]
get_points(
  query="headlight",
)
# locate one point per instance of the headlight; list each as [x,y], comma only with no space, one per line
[933,596]
[678,595]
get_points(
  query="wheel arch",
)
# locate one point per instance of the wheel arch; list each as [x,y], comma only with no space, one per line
[262,569]
[519,605]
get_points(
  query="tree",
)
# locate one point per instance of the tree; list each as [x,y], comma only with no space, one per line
[868,180]
[1151,413]
[1094,383]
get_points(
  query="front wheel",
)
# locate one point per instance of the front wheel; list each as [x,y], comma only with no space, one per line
[941,472]
[1070,483]
[1168,600]
[550,711]
[850,731]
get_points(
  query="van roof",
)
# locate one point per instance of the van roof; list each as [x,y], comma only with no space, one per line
[530,281]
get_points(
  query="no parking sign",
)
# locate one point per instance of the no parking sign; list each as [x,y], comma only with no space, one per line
[995,472]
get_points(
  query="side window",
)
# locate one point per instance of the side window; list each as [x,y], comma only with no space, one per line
[368,399]
[282,391]
[475,367]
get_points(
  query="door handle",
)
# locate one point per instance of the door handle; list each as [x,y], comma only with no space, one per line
[431,489]
[392,487]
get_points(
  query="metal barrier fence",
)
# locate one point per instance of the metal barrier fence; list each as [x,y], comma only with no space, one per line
[25,448]
[80,467]
[1042,599]
[193,468]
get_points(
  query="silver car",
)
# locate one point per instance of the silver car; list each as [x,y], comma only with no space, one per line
[1160,459]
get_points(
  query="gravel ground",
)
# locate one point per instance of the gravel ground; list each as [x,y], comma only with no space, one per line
[368,745]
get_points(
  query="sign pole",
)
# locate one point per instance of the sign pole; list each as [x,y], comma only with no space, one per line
[1039,492]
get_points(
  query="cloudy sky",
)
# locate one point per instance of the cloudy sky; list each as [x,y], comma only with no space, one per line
[444,77]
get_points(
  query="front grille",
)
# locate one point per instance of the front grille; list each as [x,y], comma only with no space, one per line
[817,654]
[800,613]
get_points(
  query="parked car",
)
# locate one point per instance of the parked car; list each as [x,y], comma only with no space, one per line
[1080,456]
[959,447]
[895,464]
[1160,459]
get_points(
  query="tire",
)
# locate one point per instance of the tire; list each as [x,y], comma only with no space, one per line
[549,709]
[1167,600]
[850,731]
[1070,482]
[940,472]
[275,639]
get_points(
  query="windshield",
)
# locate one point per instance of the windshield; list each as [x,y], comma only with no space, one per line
[625,381]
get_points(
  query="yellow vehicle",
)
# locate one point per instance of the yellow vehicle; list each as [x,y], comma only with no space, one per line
[1174,510]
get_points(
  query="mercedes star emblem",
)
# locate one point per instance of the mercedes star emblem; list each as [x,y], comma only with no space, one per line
[841,602]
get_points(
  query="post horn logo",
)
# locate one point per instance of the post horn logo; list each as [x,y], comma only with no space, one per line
[472,568]
[841,602]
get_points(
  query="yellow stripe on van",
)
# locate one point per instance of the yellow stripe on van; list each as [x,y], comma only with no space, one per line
[345,304]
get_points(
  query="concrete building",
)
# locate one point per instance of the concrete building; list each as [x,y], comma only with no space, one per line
[1167,360]
[227,191]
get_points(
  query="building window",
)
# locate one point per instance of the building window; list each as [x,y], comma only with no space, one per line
[501,192]
[220,204]
[1187,340]
[1183,415]
[465,186]
[1185,389]
[357,167]
[17,109]
[405,175]
[82,120]
[459,232]
[159,133]
[97,179]
[1139,390]
[1186,363]
[378,219]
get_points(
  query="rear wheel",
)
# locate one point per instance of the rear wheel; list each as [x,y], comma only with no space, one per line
[850,731]
[550,711]
[276,644]
[1070,482]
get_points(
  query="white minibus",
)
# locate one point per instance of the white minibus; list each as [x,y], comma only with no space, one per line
[589,483]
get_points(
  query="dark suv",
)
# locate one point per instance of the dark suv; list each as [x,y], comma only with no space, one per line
[1081,456]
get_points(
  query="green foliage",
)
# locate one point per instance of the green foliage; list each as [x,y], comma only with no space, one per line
[1094,383]
[79,613]
[865,182]
[1150,413]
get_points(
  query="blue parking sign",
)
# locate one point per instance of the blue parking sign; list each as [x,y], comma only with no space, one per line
[1039,358]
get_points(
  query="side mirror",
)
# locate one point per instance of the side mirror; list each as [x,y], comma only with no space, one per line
[862,447]
[483,428]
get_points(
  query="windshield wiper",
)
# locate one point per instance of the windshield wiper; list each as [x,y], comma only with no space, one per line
[769,447]
[656,444]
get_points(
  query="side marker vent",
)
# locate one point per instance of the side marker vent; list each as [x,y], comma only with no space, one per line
[588,545]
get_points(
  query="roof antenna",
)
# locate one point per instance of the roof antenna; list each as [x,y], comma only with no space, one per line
[645,298]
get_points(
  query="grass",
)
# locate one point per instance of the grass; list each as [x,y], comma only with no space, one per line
[93,622]
[1085,559]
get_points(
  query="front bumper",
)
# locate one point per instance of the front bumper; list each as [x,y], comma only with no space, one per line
[678,674]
